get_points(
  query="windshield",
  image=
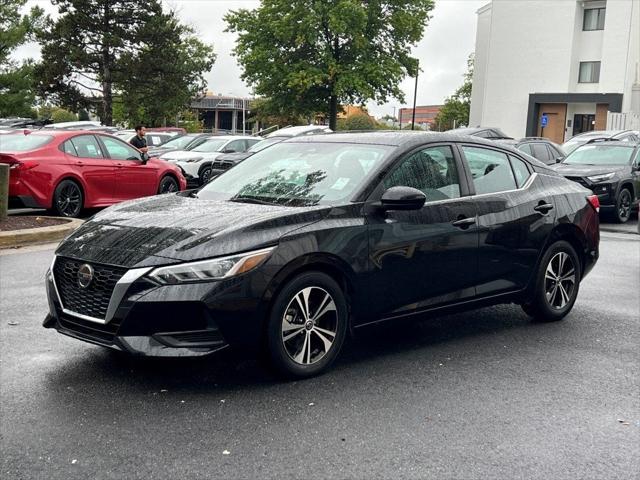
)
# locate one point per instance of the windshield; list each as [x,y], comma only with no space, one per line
[262,144]
[212,145]
[19,142]
[600,155]
[298,174]
[179,142]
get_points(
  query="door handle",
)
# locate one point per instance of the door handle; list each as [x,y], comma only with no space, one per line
[464,223]
[543,208]
[119,165]
[79,163]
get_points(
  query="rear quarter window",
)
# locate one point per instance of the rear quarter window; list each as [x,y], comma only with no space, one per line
[19,142]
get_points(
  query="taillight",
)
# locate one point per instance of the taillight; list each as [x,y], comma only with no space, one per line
[594,202]
[28,165]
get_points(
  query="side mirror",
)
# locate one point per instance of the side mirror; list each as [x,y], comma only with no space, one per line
[228,150]
[144,158]
[559,159]
[402,198]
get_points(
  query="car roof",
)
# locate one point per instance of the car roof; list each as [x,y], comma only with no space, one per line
[232,137]
[299,130]
[602,133]
[611,143]
[393,138]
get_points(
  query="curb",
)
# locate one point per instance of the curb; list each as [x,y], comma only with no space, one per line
[34,236]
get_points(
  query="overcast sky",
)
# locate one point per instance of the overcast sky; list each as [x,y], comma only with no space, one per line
[448,40]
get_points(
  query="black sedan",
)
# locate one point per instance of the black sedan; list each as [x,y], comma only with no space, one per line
[316,237]
[611,169]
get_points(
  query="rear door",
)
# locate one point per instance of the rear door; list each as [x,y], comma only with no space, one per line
[89,160]
[515,217]
[425,257]
[134,178]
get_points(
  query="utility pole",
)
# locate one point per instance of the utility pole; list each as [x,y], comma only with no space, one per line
[244,122]
[415,94]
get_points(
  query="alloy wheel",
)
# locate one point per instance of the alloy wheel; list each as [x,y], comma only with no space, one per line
[206,176]
[309,325]
[168,186]
[69,200]
[560,280]
[624,205]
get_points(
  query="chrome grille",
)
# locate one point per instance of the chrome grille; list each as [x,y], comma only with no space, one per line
[92,301]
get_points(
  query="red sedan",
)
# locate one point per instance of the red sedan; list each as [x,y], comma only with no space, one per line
[66,171]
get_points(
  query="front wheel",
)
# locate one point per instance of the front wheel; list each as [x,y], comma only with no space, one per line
[307,325]
[623,206]
[557,284]
[168,185]
[68,199]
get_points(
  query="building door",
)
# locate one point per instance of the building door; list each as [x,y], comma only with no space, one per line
[556,114]
[583,123]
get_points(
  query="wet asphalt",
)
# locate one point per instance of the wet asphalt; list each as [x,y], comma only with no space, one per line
[479,395]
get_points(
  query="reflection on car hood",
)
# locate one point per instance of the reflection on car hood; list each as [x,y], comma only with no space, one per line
[173,228]
[569,170]
[234,157]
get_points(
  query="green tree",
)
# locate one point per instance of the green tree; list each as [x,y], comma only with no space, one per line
[358,122]
[456,107]
[166,73]
[312,56]
[100,51]
[17,92]
[269,113]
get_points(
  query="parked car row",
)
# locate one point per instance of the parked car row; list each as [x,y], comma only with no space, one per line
[606,162]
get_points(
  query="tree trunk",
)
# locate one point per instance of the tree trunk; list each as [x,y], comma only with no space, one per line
[333,112]
[107,94]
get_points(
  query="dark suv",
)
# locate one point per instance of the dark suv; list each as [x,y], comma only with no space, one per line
[611,169]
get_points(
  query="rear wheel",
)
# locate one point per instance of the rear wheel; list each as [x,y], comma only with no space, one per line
[623,206]
[307,325]
[557,284]
[168,185]
[68,199]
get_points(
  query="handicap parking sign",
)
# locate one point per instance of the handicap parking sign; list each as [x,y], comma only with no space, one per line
[544,120]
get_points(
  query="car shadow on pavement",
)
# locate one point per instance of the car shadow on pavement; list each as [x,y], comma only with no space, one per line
[403,342]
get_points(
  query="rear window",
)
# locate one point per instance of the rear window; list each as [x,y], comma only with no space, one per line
[19,142]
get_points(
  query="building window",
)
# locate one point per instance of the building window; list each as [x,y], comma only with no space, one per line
[589,72]
[593,19]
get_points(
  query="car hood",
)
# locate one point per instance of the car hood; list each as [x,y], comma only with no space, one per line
[170,229]
[569,170]
[179,155]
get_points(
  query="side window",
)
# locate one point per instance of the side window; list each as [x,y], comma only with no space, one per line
[553,154]
[526,148]
[69,149]
[251,143]
[520,170]
[431,170]
[490,170]
[540,152]
[119,150]
[87,146]
[237,146]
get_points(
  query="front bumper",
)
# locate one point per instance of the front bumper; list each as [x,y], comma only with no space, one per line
[166,321]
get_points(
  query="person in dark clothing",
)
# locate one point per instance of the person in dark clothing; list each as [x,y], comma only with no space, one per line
[139,141]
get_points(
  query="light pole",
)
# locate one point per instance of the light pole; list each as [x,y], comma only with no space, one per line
[244,123]
[415,94]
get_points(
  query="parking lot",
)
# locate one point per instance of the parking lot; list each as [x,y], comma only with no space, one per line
[485,394]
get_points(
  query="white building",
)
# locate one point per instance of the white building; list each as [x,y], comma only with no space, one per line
[569,61]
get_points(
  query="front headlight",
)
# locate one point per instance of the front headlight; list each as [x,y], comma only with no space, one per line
[602,177]
[208,270]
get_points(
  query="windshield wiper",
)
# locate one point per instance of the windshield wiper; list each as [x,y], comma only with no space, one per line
[250,199]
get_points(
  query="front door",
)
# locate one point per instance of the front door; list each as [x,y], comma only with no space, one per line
[556,114]
[583,123]
[89,160]
[134,178]
[515,218]
[425,257]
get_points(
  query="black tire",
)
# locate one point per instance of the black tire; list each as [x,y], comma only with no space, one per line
[551,299]
[297,342]
[68,199]
[168,184]
[205,175]
[624,204]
